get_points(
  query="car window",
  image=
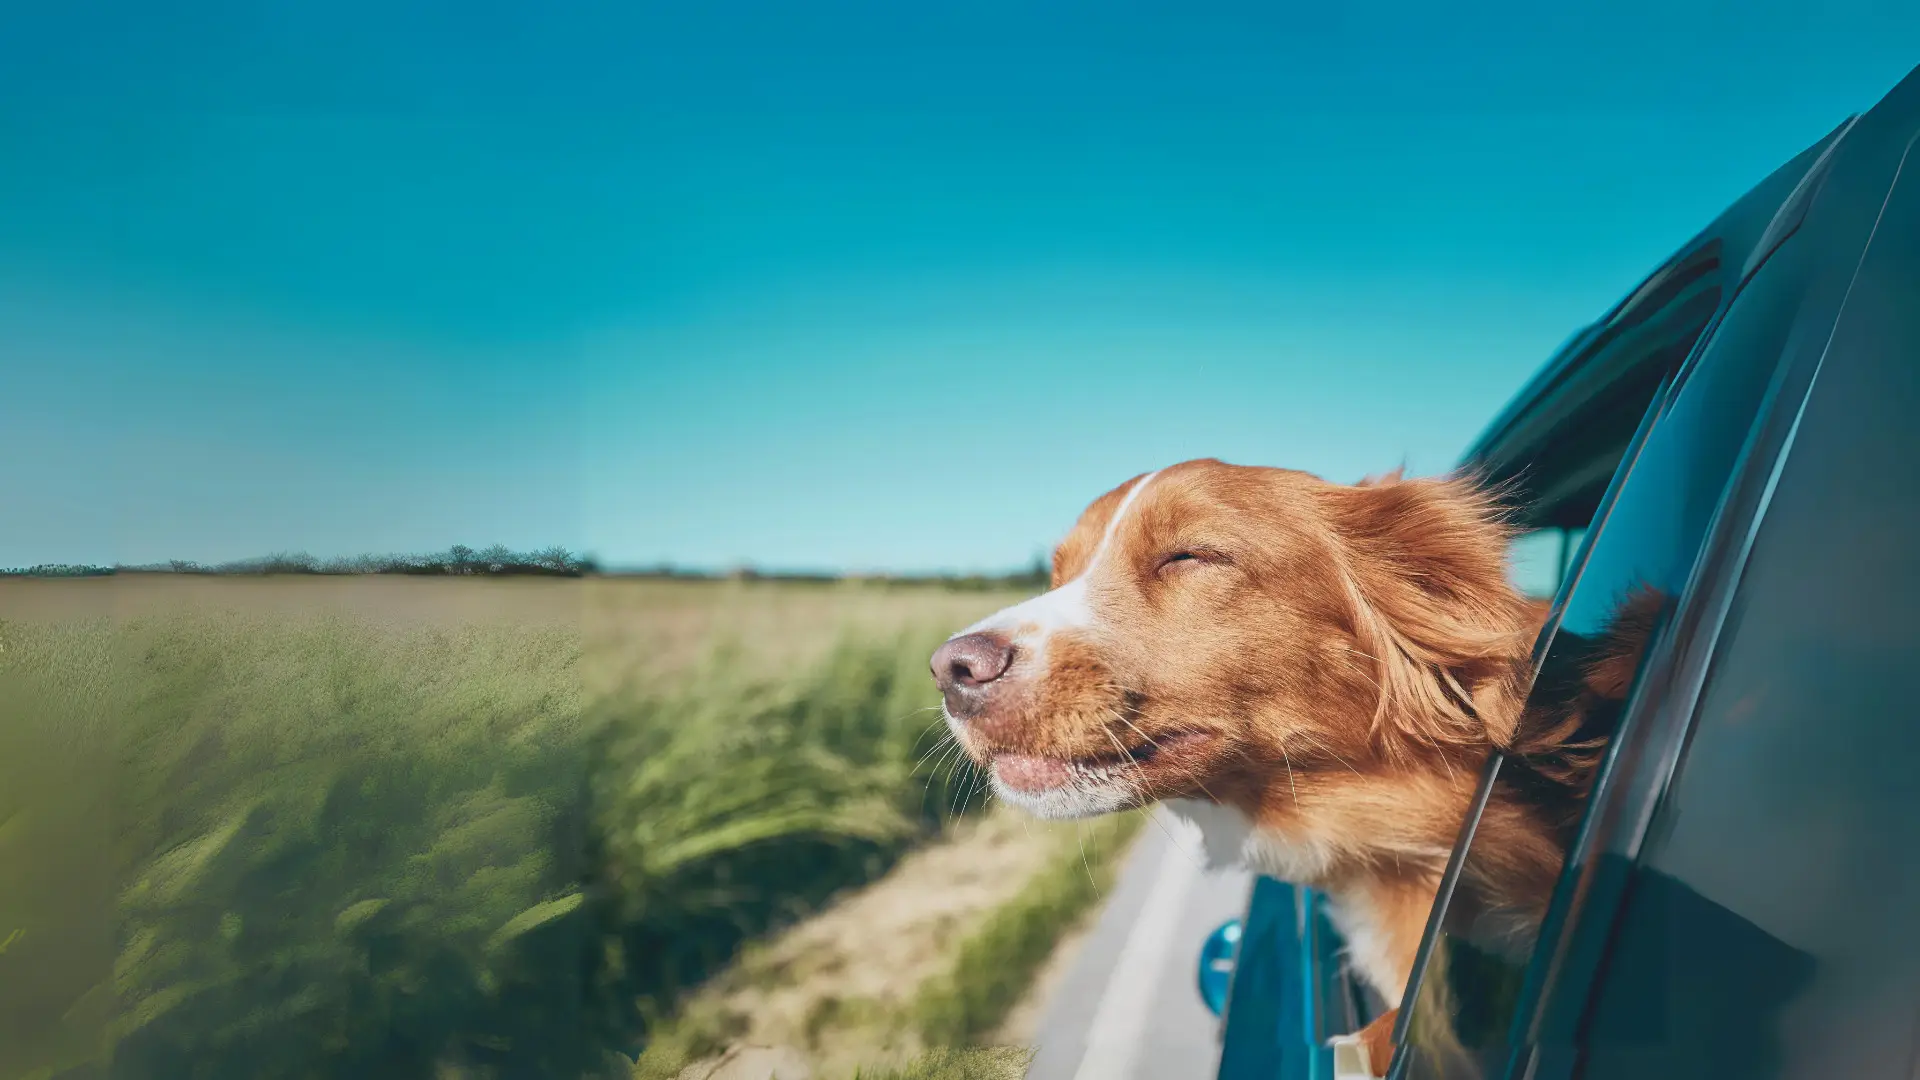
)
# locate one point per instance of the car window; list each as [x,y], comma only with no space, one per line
[1538,560]
[1772,932]
[1634,566]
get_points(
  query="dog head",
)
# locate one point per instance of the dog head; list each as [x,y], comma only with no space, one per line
[1241,635]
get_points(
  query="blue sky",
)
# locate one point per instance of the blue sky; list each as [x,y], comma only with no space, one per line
[822,285]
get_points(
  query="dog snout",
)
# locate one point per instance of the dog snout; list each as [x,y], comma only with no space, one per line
[966,667]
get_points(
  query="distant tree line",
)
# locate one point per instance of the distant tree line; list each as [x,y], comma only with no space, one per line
[461,560]
[1035,576]
[499,561]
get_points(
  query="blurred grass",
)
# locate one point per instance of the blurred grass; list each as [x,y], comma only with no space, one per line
[322,843]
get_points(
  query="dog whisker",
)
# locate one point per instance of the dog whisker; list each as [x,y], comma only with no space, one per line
[949,761]
[1136,782]
[947,740]
[1327,750]
[1136,729]
[959,796]
[1173,840]
[1080,834]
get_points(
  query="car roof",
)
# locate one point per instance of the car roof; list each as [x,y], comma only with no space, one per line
[1557,442]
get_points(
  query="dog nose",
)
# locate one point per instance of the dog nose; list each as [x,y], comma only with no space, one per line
[969,662]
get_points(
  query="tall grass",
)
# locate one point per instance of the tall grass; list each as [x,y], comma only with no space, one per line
[732,805]
[315,847]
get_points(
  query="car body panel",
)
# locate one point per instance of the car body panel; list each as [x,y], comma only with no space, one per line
[1771,928]
[1844,218]
[1715,361]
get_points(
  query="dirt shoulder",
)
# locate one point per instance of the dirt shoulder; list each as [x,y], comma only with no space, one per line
[839,990]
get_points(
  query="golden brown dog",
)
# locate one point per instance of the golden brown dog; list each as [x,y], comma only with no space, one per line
[1314,672]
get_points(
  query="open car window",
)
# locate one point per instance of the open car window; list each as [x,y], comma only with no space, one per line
[1473,980]
[1469,981]
[1770,930]
[1538,560]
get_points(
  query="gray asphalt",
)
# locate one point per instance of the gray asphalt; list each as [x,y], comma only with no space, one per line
[1129,1009]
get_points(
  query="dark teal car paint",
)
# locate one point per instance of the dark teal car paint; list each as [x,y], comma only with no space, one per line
[1652,961]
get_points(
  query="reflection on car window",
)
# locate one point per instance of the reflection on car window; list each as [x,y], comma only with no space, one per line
[1635,566]
[1779,940]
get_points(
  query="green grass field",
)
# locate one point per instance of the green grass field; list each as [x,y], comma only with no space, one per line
[378,828]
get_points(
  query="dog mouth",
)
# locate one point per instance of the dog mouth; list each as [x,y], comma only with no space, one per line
[1036,774]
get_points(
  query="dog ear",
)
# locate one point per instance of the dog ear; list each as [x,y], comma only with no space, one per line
[1427,590]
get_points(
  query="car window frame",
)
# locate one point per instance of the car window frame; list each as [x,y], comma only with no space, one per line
[1640,759]
[1580,350]
[1862,361]
[1470,823]
[1541,977]
[1669,694]
[1588,366]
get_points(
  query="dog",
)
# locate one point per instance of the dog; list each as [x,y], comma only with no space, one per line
[1315,673]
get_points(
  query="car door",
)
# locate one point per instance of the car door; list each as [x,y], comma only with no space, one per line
[1291,990]
[1768,930]
[1638,971]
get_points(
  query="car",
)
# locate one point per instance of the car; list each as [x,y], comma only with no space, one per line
[1737,442]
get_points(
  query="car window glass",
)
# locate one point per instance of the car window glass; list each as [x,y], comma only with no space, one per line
[1538,560]
[1560,467]
[1774,934]
[1534,561]
[1635,565]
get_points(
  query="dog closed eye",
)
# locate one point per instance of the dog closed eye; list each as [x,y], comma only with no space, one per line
[1187,560]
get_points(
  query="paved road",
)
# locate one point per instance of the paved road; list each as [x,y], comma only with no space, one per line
[1128,1009]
